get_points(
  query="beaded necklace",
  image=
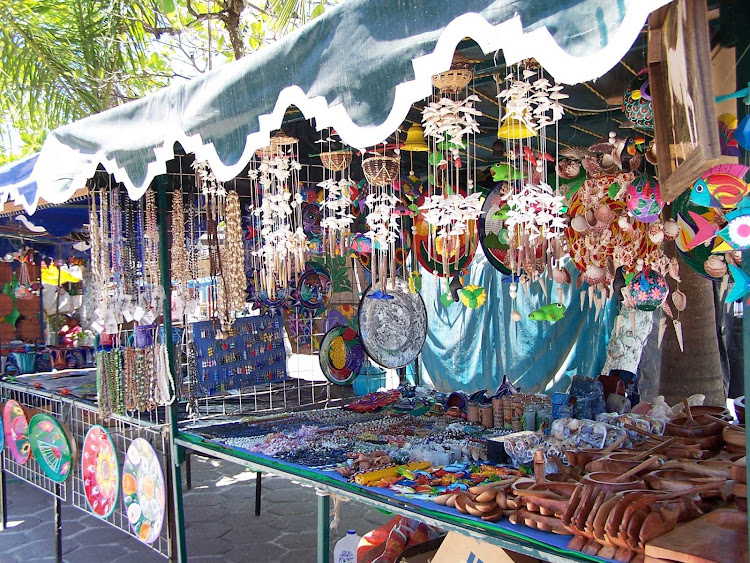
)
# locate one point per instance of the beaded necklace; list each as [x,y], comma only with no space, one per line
[131,395]
[102,385]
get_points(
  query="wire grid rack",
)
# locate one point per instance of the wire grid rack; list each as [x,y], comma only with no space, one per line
[79,417]
[30,471]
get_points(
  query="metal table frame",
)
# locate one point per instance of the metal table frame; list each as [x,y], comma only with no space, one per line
[326,485]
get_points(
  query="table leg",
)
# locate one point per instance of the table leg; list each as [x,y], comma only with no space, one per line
[58,526]
[258,475]
[188,471]
[324,525]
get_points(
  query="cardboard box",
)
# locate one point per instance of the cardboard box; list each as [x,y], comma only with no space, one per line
[458,548]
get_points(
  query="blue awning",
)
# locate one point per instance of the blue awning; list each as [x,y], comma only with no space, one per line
[17,183]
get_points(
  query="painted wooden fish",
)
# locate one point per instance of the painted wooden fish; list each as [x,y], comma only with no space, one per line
[741,284]
[735,234]
[721,187]
[552,313]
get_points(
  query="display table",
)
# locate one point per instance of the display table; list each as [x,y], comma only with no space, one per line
[521,539]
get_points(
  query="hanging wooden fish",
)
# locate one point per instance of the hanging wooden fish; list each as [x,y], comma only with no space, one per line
[735,234]
[473,296]
[552,313]
[502,172]
[721,187]
[741,284]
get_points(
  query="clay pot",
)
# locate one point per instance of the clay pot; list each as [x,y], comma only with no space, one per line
[607,482]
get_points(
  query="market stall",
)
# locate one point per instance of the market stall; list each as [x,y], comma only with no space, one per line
[471,207]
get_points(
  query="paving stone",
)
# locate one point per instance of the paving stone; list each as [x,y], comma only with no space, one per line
[32,550]
[214,547]
[289,494]
[262,552]
[303,555]
[206,513]
[291,509]
[201,498]
[199,531]
[300,540]
[100,535]
[241,535]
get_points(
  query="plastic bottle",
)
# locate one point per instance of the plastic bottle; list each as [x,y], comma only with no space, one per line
[346,548]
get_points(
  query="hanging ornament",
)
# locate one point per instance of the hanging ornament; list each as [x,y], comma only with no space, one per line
[636,102]
[644,199]
[648,290]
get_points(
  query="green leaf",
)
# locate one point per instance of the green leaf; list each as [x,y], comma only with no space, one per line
[168,6]
[319,9]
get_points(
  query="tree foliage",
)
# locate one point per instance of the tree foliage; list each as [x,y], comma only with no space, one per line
[63,60]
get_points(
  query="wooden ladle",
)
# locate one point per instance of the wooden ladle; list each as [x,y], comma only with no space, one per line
[643,455]
[723,422]
[638,468]
[690,420]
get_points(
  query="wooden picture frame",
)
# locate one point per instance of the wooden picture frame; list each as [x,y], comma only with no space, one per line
[682,95]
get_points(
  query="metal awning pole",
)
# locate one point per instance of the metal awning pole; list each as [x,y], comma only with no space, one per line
[176,453]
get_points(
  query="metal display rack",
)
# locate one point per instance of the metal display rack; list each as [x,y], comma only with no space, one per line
[79,417]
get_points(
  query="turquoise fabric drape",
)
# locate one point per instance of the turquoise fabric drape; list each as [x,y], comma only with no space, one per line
[471,349]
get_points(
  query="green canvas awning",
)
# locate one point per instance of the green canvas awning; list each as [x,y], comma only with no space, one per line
[358,68]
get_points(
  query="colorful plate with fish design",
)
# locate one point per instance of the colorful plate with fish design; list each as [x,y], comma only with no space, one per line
[143,490]
[100,471]
[53,449]
[16,429]
[392,324]
[694,257]
[341,355]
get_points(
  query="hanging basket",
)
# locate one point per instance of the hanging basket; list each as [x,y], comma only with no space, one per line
[457,78]
[336,160]
[381,170]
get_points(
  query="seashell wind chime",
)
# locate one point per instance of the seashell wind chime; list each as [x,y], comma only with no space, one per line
[283,248]
[533,209]
[337,220]
[445,237]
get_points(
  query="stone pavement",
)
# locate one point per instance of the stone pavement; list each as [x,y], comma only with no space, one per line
[219,515]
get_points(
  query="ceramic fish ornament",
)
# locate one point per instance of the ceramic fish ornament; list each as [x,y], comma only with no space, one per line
[721,187]
[552,313]
[644,199]
[415,282]
[505,173]
[473,296]
[741,284]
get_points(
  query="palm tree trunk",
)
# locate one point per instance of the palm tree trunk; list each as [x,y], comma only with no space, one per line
[698,368]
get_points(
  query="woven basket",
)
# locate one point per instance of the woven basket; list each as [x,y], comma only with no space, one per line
[381,170]
[457,78]
[336,160]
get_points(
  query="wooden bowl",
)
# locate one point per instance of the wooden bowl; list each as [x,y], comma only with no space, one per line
[734,437]
[713,443]
[678,480]
[606,482]
[678,427]
[579,458]
[719,412]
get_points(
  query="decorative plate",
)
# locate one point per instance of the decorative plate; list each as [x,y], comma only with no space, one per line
[694,257]
[492,232]
[392,324]
[143,491]
[53,449]
[100,471]
[341,355]
[312,290]
[434,256]
[16,428]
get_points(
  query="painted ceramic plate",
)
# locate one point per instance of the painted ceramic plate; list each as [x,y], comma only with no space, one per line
[16,429]
[143,491]
[455,252]
[341,355]
[313,289]
[392,324]
[100,471]
[492,232]
[52,448]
